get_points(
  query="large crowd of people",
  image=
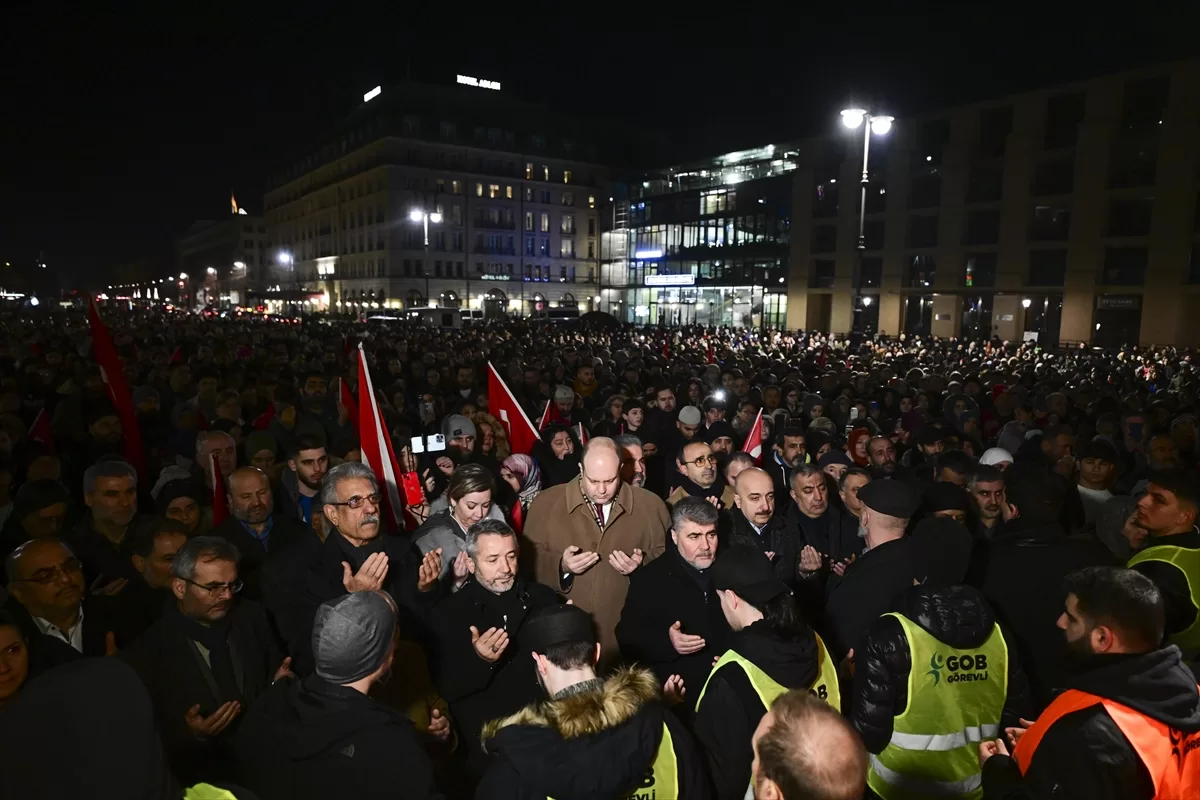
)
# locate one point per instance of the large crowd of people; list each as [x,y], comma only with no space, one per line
[734,563]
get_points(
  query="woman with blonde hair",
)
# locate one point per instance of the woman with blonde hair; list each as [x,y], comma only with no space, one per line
[493,438]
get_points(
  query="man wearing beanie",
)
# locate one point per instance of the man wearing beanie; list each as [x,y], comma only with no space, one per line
[323,737]
[594,737]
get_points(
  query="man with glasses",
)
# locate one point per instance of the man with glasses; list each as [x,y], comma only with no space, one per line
[46,579]
[698,474]
[208,657]
[355,557]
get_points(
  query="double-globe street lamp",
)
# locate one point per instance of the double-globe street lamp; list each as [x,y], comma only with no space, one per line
[878,124]
[426,217]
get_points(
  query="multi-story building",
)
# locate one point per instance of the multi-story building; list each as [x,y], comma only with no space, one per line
[1069,213]
[454,196]
[225,261]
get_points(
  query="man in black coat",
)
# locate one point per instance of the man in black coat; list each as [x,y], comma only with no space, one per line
[483,670]
[110,491]
[60,622]
[672,620]
[253,527]
[870,584]
[1022,574]
[1113,623]
[206,660]
[323,736]
[355,557]
[754,522]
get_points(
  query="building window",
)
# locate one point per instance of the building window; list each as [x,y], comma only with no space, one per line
[455,187]
[566,176]
[493,191]
[925,190]
[529,245]
[545,172]
[1132,163]
[538,142]
[508,192]
[876,196]
[1063,117]
[456,214]
[995,124]
[919,270]
[872,273]
[591,248]
[568,198]
[479,190]
[1054,175]
[980,271]
[546,197]
[872,235]
[1125,266]
[823,274]
[1047,267]
[1145,104]
[528,220]
[922,231]
[567,248]
[407,267]
[528,170]
[545,228]
[591,226]
[983,227]
[986,183]
[1049,224]
[458,241]
[932,139]
[825,199]
[591,201]
[544,250]
[447,130]
[1130,216]
[567,225]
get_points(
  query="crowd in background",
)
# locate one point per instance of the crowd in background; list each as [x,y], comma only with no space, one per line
[705,513]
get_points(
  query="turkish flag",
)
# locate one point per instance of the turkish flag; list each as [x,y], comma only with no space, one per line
[220,504]
[377,447]
[583,437]
[504,407]
[105,353]
[263,421]
[753,444]
[346,400]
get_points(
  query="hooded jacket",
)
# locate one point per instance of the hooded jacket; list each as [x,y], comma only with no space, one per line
[731,709]
[1084,754]
[597,744]
[957,616]
[313,739]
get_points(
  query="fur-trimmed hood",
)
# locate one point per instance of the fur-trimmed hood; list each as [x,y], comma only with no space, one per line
[619,699]
[597,744]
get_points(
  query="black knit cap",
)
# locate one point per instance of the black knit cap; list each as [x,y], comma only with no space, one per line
[554,625]
[747,571]
[943,496]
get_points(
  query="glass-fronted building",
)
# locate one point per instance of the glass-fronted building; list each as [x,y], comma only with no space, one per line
[705,243]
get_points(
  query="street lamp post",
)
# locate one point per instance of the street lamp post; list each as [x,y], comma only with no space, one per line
[426,217]
[878,124]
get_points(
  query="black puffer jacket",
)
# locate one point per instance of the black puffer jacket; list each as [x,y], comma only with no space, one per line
[958,616]
[777,537]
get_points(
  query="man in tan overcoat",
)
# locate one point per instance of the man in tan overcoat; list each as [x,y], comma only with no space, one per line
[589,534]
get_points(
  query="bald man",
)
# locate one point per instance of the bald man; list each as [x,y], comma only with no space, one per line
[253,527]
[754,522]
[588,535]
[804,748]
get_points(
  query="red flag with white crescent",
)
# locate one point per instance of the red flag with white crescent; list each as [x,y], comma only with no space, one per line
[504,406]
[105,353]
[753,444]
[583,437]
[377,448]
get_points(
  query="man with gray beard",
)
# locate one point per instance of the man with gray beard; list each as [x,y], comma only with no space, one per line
[485,668]
[355,557]
[633,460]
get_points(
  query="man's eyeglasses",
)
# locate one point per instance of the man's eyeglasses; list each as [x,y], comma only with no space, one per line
[47,575]
[357,502]
[217,588]
[703,461]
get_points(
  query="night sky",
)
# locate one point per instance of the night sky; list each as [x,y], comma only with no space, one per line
[118,132]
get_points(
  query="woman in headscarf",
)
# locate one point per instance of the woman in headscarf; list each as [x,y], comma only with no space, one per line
[856,446]
[558,455]
[524,476]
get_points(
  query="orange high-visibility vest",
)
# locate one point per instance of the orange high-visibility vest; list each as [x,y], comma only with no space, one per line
[1170,756]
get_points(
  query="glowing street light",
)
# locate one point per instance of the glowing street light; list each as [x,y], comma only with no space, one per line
[866,301]
[286,258]
[183,276]
[212,270]
[1026,302]
[420,215]
[880,125]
